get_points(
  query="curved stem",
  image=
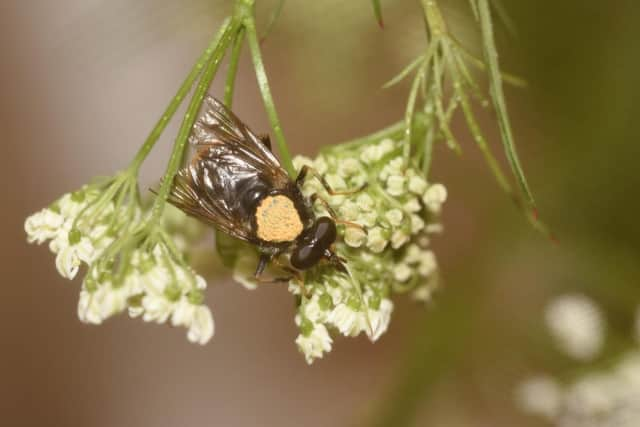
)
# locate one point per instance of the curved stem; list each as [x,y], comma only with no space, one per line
[265,91]
[233,68]
[184,89]
[497,96]
[226,33]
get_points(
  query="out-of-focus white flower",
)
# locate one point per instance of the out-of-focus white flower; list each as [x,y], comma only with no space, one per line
[402,272]
[576,324]
[541,396]
[314,341]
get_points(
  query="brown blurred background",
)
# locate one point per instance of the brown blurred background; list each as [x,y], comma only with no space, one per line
[82,82]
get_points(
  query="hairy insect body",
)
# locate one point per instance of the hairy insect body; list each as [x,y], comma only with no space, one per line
[235,183]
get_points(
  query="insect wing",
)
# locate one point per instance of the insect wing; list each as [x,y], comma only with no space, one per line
[231,170]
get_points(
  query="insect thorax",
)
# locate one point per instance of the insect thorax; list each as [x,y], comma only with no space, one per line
[277,219]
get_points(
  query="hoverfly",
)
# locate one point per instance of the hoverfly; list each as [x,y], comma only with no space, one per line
[235,183]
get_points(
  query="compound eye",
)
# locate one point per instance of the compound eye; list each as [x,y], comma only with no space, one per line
[305,257]
[325,232]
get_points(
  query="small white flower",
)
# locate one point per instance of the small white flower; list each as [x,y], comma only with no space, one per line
[376,240]
[394,216]
[540,396]
[417,184]
[157,308]
[349,211]
[412,205]
[576,325]
[320,164]
[347,320]
[434,228]
[365,202]
[197,318]
[336,182]
[354,237]
[315,344]
[312,310]
[71,255]
[424,292]
[417,224]
[89,306]
[43,226]
[300,161]
[401,272]
[399,238]
[395,185]
[368,219]
[426,263]
[379,319]
[385,146]
[348,167]
[434,197]
[372,154]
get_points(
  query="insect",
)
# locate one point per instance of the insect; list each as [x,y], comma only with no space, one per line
[235,183]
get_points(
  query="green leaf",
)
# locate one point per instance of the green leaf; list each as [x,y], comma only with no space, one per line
[497,96]
[404,73]
[277,11]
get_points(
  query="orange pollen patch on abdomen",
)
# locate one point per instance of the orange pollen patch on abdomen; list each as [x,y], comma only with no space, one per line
[278,220]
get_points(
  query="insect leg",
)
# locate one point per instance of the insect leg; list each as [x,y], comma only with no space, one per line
[295,275]
[262,264]
[308,169]
[315,197]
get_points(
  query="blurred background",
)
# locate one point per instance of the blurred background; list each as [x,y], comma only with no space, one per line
[83,81]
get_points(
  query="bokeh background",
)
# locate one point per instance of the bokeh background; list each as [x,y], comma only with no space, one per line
[82,82]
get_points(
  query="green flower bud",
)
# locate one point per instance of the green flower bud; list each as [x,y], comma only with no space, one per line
[306,327]
[74,236]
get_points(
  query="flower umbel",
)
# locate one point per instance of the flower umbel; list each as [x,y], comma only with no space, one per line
[398,210]
[129,265]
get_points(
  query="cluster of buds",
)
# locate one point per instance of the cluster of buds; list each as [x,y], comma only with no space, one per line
[388,252]
[128,267]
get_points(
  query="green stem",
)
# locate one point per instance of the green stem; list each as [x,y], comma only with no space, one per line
[497,95]
[394,131]
[233,68]
[184,89]
[226,34]
[263,84]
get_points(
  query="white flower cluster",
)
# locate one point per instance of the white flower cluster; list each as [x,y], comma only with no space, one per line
[71,241]
[156,288]
[151,280]
[397,210]
[601,398]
